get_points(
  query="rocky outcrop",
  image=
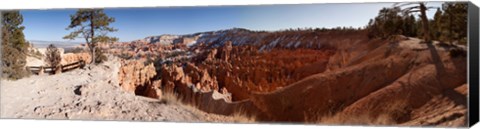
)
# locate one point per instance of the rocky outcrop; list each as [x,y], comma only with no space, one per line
[135,77]
[90,94]
[75,57]
[201,79]
[365,81]
[162,39]
[242,69]
[172,76]
[175,78]
[308,76]
[225,51]
[154,90]
[211,55]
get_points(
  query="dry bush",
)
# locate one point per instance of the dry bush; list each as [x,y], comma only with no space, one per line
[243,117]
[238,117]
[360,119]
[52,56]
[170,98]
[390,114]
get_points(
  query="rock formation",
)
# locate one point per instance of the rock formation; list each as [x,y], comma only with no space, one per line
[201,78]
[188,79]
[313,76]
[135,77]
[75,57]
[242,69]
[154,90]
[225,51]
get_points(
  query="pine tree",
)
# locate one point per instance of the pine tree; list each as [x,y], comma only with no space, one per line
[455,21]
[387,23]
[409,26]
[436,24]
[93,26]
[422,8]
[14,46]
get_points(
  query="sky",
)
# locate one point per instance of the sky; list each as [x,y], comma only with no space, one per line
[138,23]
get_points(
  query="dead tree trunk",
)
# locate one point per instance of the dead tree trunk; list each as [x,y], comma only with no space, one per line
[92,40]
[426,29]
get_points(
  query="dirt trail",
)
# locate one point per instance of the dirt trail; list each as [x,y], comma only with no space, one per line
[91,93]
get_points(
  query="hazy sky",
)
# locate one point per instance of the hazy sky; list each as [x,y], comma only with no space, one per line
[137,23]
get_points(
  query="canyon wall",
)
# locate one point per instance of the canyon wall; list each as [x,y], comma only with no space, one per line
[136,77]
[327,76]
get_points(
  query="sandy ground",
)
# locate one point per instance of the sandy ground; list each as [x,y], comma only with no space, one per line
[32,61]
[91,93]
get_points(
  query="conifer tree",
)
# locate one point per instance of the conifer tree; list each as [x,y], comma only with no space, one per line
[455,23]
[93,25]
[437,25]
[422,9]
[14,46]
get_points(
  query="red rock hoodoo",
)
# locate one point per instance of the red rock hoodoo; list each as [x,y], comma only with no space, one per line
[325,76]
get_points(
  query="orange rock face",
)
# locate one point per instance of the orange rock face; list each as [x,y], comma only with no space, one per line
[242,69]
[200,78]
[225,51]
[136,77]
[319,76]
[74,57]
[154,90]
[174,77]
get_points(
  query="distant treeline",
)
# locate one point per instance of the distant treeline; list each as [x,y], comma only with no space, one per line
[449,23]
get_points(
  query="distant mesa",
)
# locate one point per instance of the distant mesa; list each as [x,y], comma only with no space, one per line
[60,44]
[220,37]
